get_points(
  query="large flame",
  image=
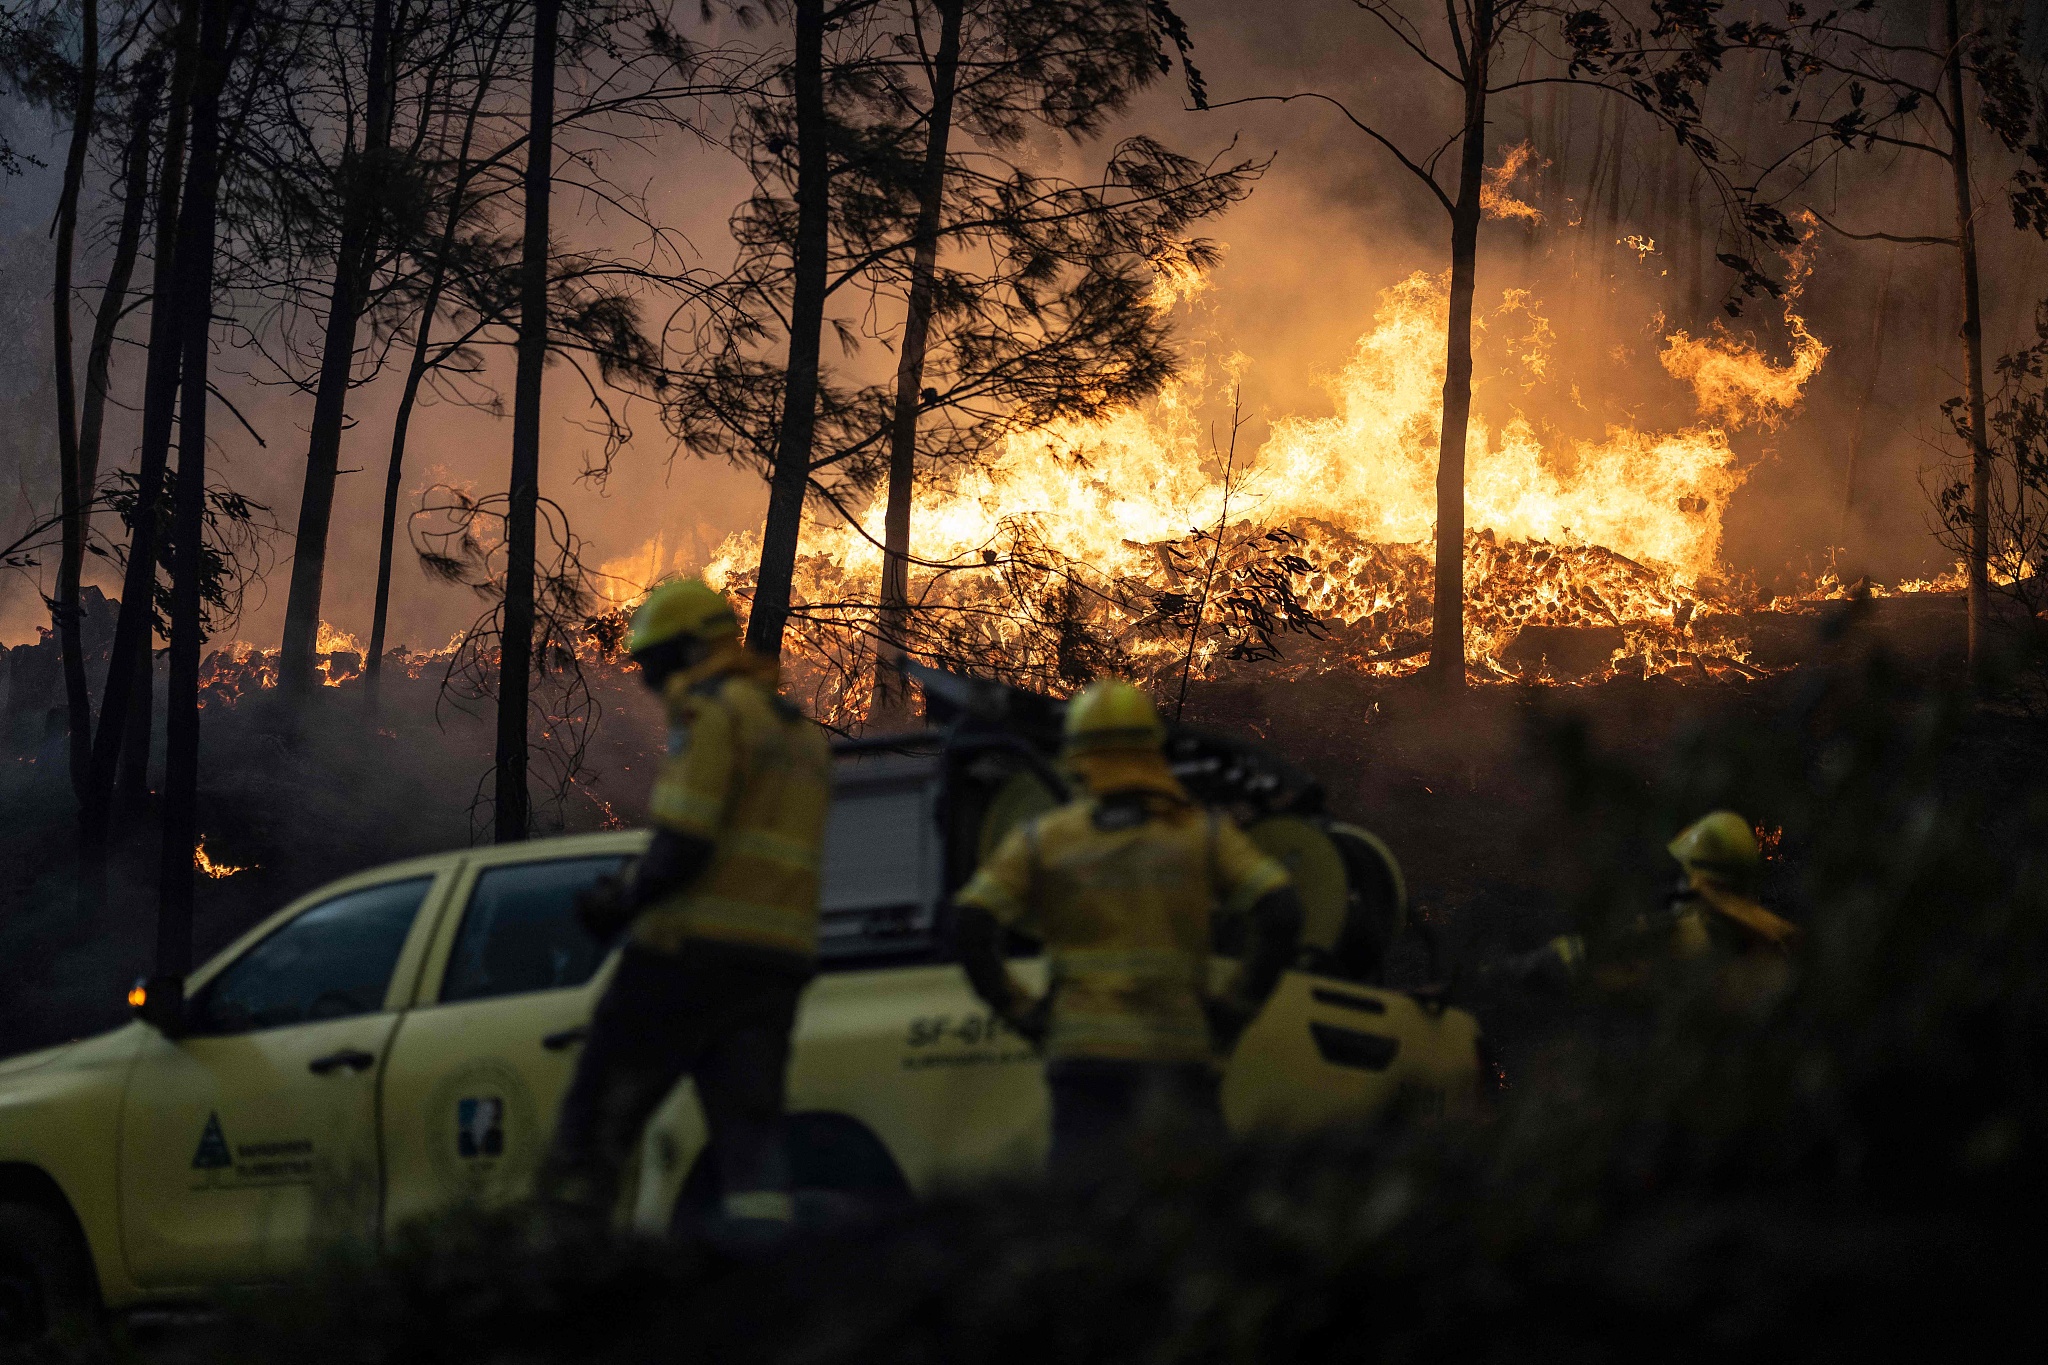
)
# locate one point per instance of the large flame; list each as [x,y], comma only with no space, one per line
[1622,532]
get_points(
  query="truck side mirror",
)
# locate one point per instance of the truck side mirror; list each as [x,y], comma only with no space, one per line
[159,1001]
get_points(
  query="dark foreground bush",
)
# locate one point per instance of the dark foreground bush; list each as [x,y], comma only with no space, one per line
[1847,1171]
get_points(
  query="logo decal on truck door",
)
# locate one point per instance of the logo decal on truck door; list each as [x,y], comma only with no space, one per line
[484,1131]
[480,1126]
[213,1153]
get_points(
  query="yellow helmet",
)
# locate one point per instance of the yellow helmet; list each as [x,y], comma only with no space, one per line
[1721,848]
[1111,714]
[683,607]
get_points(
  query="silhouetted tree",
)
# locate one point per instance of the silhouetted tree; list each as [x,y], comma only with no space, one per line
[364,191]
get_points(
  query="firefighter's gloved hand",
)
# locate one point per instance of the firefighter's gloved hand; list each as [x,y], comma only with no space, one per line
[605,908]
[1228,1019]
[1031,1021]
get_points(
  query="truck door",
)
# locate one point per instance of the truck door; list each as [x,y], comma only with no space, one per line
[253,1138]
[478,1069]
[890,1033]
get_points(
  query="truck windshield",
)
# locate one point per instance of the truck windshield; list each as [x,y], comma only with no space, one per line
[333,961]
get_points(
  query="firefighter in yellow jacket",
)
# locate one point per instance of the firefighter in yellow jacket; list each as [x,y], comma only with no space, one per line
[1127,887]
[1712,911]
[721,919]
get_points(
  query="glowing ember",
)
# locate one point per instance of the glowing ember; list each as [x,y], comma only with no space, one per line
[206,866]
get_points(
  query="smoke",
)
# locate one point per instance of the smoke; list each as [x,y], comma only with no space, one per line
[1335,223]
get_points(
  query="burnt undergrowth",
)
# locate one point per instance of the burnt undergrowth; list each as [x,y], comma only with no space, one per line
[1844,1170]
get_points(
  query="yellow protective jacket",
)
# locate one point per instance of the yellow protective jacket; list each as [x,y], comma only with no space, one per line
[1125,914]
[1743,928]
[749,774]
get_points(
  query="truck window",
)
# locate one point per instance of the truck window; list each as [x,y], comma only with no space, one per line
[329,963]
[879,890]
[519,932]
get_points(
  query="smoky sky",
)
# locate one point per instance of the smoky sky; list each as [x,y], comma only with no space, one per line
[1333,222]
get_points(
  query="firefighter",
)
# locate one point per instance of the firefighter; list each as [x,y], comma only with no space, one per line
[720,918]
[1127,886]
[1712,911]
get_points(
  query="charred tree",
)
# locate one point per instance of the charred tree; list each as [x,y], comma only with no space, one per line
[142,114]
[458,207]
[131,785]
[789,475]
[135,629]
[77,700]
[353,258]
[891,702]
[1973,342]
[511,810]
[1447,620]
[197,229]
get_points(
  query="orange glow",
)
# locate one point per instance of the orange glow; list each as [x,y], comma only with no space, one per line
[138,996]
[207,867]
[1622,531]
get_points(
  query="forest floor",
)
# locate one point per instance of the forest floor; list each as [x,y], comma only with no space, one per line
[1468,794]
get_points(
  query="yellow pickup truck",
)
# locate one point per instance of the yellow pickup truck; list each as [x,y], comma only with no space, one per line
[395,1044]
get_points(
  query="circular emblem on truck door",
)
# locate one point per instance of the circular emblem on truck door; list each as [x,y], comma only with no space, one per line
[482,1131]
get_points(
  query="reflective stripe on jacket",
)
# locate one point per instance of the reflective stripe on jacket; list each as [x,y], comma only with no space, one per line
[749,774]
[1125,915]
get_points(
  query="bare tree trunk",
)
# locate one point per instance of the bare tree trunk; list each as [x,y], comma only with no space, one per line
[131,781]
[295,660]
[515,642]
[892,701]
[77,700]
[131,785]
[114,295]
[373,666]
[136,627]
[415,375]
[790,476]
[196,231]
[1447,633]
[1877,329]
[1973,354]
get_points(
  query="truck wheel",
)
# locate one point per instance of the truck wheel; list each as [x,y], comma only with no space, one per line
[47,1292]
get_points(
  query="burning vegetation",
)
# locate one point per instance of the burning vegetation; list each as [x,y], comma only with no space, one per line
[1131,543]
[208,866]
